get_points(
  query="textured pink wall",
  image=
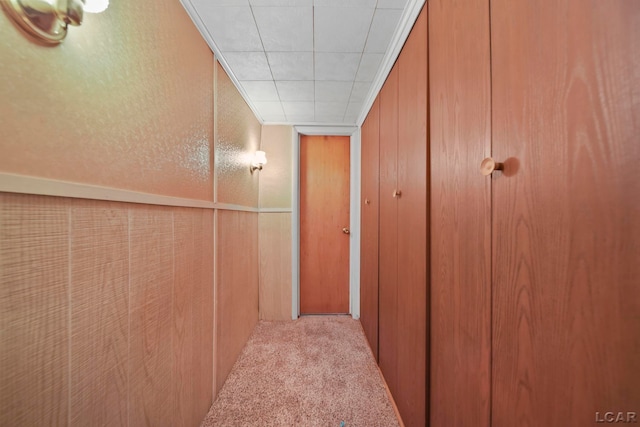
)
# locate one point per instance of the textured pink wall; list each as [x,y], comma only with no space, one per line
[237,139]
[276,177]
[126,101]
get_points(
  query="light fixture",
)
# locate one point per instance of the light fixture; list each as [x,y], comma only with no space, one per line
[259,160]
[48,20]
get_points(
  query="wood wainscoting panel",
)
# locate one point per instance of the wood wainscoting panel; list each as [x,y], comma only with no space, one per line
[370,212]
[275,266]
[203,310]
[34,310]
[150,360]
[236,288]
[566,212]
[184,342]
[460,137]
[99,313]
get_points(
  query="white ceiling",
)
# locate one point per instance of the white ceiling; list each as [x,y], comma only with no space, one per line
[311,62]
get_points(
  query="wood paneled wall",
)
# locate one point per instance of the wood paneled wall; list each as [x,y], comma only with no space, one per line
[236,289]
[106,313]
[275,266]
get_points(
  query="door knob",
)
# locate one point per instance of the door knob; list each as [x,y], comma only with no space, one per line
[346,230]
[367,201]
[397,193]
[489,165]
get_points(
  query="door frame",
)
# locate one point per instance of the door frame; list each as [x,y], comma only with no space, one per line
[354,213]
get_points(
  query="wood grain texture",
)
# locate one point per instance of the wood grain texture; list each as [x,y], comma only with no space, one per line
[566,211]
[150,348]
[388,250]
[370,207]
[34,311]
[99,313]
[413,236]
[275,266]
[324,212]
[184,342]
[203,310]
[460,137]
[236,291]
[67,358]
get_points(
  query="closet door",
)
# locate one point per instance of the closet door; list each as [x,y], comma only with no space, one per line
[412,285]
[566,211]
[460,135]
[388,268]
[370,205]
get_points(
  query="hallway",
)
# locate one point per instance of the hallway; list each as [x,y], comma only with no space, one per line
[314,371]
[494,214]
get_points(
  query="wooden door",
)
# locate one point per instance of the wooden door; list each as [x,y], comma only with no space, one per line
[388,252]
[370,203]
[324,224]
[460,134]
[412,234]
[566,211]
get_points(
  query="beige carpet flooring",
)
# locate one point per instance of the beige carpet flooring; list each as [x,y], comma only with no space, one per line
[315,371]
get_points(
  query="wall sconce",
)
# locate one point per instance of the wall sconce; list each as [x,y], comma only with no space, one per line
[259,160]
[47,20]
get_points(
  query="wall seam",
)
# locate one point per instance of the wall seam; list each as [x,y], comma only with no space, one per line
[69,312]
[129,316]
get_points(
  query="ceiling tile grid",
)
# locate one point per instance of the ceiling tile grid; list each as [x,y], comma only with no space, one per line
[303,61]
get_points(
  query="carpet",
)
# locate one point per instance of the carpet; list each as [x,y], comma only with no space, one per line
[314,371]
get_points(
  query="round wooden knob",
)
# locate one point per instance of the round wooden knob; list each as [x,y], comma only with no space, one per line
[397,193]
[367,201]
[489,165]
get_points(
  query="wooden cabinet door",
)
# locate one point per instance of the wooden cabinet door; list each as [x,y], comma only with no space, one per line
[566,211]
[370,205]
[412,236]
[388,268]
[460,135]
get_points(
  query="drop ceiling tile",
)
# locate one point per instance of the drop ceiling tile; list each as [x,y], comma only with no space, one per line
[248,65]
[336,66]
[285,29]
[272,3]
[353,111]
[343,3]
[359,91]
[232,28]
[295,90]
[291,65]
[295,108]
[383,26]
[391,4]
[341,29]
[268,108]
[260,90]
[329,119]
[369,65]
[333,91]
[301,118]
[330,108]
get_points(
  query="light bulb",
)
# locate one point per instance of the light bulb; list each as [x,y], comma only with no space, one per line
[95,6]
